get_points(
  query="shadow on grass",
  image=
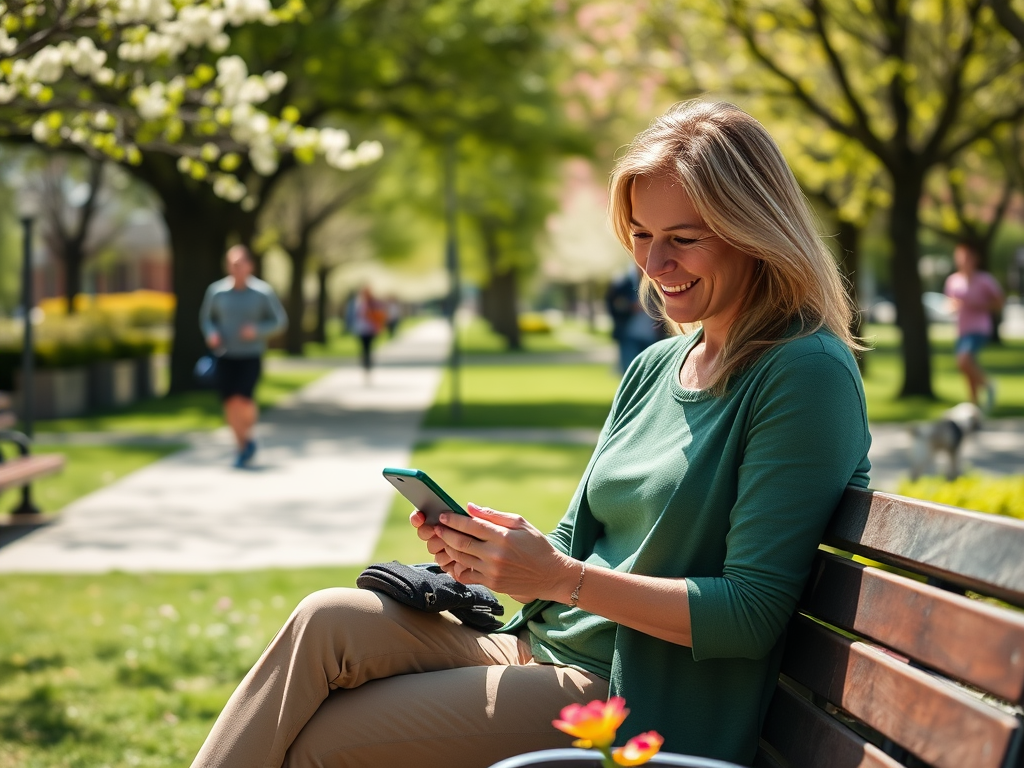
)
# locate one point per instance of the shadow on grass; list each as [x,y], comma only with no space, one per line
[42,717]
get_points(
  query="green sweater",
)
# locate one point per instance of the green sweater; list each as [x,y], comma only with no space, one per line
[733,493]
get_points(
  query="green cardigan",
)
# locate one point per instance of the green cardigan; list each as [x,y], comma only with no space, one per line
[761,469]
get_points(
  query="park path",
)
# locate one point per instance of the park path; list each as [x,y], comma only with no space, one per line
[314,495]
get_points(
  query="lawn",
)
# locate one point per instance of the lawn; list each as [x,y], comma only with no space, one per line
[126,670]
[885,376]
[533,395]
[88,468]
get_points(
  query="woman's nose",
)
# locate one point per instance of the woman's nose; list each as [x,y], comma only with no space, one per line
[659,259]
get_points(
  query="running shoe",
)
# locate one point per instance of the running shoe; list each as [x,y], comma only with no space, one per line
[245,455]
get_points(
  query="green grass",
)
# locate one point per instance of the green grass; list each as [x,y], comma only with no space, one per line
[126,670]
[88,468]
[477,338]
[182,412]
[885,376]
[528,396]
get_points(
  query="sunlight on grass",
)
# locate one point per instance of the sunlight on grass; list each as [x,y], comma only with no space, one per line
[528,396]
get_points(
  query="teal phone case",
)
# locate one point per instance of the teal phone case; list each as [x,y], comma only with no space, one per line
[424,494]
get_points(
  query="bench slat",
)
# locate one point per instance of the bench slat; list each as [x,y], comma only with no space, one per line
[23,469]
[932,719]
[962,638]
[808,738]
[973,550]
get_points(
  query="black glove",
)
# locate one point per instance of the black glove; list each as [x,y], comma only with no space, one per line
[426,587]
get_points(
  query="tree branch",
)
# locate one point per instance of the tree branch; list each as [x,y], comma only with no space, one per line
[955,89]
[1008,18]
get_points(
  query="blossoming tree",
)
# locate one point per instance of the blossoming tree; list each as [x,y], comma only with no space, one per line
[155,85]
[122,77]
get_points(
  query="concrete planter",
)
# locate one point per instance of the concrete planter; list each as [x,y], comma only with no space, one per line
[111,384]
[57,393]
[145,380]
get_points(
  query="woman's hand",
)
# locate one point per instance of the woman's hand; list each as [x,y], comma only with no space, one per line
[504,553]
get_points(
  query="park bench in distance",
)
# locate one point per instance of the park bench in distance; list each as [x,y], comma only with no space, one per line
[885,669]
[20,471]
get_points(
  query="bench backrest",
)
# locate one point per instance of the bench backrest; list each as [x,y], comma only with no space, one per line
[894,665]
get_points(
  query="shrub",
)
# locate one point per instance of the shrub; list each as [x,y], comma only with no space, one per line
[534,322]
[134,309]
[996,495]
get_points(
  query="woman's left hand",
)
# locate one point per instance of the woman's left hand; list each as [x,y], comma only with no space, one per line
[504,553]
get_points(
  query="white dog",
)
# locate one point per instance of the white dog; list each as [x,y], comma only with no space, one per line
[944,436]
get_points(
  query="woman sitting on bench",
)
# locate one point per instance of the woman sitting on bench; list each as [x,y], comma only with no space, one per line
[681,557]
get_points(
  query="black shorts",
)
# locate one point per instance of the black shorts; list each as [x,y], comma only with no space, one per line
[238,376]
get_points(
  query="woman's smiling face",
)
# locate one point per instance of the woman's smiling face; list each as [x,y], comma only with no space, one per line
[700,276]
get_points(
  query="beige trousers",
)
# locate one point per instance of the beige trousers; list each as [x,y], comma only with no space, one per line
[357,679]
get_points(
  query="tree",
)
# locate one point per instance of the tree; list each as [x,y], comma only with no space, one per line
[153,85]
[302,204]
[912,84]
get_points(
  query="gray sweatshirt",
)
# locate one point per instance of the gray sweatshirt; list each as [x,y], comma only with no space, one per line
[225,310]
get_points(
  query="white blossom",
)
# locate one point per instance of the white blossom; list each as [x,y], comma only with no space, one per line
[40,131]
[7,93]
[263,155]
[47,65]
[7,44]
[243,11]
[143,11]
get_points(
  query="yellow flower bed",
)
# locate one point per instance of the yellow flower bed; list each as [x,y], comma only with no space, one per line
[134,308]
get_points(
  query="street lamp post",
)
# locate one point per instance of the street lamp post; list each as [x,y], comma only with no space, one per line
[452,262]
[27,211]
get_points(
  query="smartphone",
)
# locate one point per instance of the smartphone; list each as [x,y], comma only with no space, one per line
[424,493]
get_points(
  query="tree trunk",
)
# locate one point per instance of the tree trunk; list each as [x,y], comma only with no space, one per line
[320,332]
[295,336]
[910,316]
[500,297]
[200,225]
[73,260]
[848,244]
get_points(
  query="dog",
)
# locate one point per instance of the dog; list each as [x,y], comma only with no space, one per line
[945,436]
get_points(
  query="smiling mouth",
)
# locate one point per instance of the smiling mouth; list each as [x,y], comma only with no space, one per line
[677,289]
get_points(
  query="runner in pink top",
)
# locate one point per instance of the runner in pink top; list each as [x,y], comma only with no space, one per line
[975,295]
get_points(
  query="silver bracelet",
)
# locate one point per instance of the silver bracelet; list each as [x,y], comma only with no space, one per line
[574,598]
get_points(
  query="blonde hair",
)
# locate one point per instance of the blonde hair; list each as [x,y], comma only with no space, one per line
[743,189]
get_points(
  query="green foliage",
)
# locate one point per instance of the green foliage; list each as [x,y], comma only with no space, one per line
[995,495]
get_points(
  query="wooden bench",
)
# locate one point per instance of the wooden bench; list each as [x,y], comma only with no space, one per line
[20,471]
[894,666]
[885,669]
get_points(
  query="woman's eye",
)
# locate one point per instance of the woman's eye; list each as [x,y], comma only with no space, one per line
[640,235]
[684,240]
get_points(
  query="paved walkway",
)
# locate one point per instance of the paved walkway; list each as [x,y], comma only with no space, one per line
[314,495]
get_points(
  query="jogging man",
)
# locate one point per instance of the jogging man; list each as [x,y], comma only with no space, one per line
[239,313]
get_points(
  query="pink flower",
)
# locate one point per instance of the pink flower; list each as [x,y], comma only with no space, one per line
[639,749]
[595,724]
